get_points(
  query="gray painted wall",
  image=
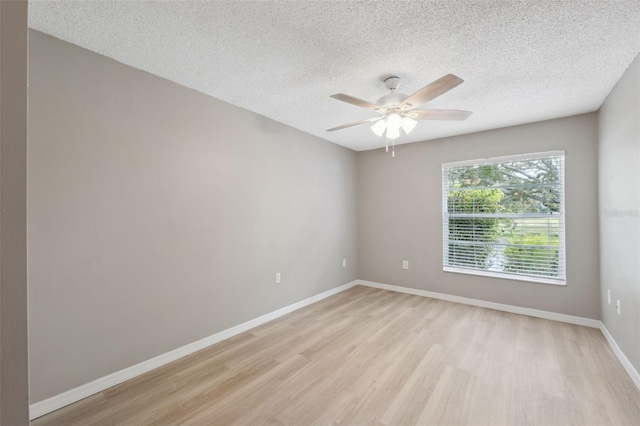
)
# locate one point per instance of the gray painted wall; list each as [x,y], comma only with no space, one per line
[159,216]
[14,375]
[619,189]
[400,215]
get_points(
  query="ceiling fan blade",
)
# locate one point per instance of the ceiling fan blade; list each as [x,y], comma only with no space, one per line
[355,101]
[439,114]
[432,91]
[344,126]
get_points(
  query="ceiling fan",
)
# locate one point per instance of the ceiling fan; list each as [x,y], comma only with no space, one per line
[397,110]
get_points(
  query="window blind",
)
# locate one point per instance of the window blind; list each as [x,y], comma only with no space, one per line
[505,217]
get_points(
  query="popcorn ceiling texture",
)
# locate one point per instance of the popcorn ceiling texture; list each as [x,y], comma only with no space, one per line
[522,61]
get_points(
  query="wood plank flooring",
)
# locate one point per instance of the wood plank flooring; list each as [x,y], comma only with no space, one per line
[374,357]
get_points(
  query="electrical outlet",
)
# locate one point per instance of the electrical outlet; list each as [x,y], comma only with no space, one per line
[618,306]
[344,263]
[278,278]
[405,264]
[609,296]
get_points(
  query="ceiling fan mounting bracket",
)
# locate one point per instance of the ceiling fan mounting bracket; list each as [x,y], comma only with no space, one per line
[392,83]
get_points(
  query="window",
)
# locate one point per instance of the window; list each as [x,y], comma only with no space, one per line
[504,217]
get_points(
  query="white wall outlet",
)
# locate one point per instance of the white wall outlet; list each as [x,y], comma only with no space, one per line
[618,306]
[278,278]
[609,296]
[344,263]
[405,264]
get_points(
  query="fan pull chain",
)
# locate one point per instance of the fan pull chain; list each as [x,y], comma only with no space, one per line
[393,148]
[387,144]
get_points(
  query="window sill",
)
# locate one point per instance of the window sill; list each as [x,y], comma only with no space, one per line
[537,280]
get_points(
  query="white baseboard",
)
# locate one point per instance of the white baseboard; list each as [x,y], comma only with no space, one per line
[56,402]
[588,322]
[631,371]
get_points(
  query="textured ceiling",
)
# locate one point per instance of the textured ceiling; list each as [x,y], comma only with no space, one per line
[522,61]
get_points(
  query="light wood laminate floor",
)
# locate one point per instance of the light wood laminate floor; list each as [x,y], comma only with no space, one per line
[375,357]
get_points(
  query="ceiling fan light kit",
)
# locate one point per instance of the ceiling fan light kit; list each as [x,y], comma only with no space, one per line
[397,110]
[379,127]
[408,124]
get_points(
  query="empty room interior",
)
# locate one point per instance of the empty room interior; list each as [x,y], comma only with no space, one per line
[314,212]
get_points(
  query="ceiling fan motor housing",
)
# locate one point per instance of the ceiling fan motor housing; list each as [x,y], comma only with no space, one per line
[392,99]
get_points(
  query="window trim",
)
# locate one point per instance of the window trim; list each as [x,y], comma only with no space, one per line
[497,160]
[562,281]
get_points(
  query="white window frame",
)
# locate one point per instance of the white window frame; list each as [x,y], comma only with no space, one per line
[561,281]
